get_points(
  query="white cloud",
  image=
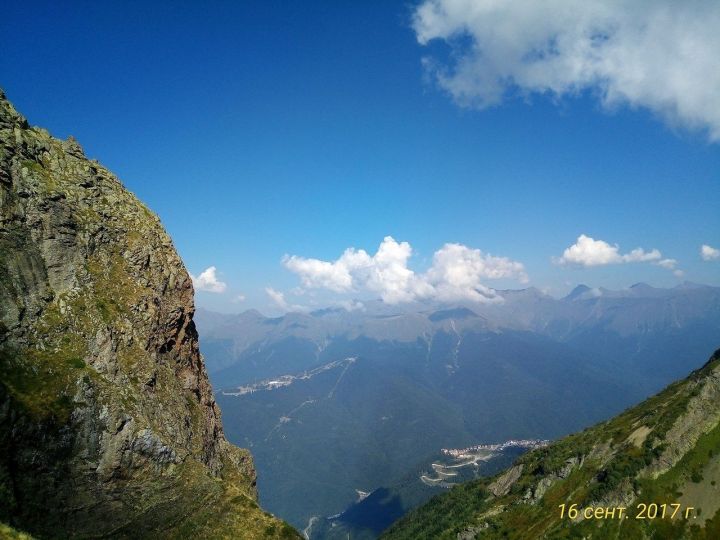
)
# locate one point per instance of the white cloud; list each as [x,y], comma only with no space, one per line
[279,300]
[385,273]
[640,255]
[208,281]
[277,297]
[351,305]
[239,298]
[709,253]
[389,275]
[668,264]
[456,273]
[662,55]
[315,273]
[587,251]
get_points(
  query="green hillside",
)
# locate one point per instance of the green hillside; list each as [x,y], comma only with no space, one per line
[651,472]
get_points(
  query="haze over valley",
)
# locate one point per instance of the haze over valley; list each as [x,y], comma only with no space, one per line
[336,402]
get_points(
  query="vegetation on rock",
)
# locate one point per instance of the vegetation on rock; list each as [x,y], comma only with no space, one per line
[108,424]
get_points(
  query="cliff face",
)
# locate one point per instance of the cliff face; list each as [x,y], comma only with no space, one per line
[108,425]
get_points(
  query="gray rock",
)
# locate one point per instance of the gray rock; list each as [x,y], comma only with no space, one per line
[502,485]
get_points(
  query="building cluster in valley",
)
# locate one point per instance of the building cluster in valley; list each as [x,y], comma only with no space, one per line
[530,444]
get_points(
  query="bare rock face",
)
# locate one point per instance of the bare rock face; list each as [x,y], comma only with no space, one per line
[108,424]
[502,485]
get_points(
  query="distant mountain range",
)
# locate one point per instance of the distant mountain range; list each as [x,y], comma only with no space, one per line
[336,401]
[651,472]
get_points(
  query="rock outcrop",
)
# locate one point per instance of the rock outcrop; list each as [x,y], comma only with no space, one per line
[108,424]
[501,486]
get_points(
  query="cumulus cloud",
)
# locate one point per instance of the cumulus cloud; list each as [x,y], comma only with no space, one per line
[385,273]
[456,273]
[279,300]
[315,273]
[351,305]
[709,253]
[668,264]
[662,55]
[208,281]
[587,251]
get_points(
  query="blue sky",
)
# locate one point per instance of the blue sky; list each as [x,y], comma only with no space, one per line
[262,129]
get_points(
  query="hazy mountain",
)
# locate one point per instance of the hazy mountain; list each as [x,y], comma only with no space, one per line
[336,401]
[659,461]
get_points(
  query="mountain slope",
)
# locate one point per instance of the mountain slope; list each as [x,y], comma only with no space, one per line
[354,425]
[108,424]
[373,512]
[428,376]
[664,451]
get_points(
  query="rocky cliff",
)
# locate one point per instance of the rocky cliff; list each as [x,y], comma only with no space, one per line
[108,425]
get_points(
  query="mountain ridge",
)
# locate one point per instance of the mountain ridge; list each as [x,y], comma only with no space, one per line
[530,367]
[621,313]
